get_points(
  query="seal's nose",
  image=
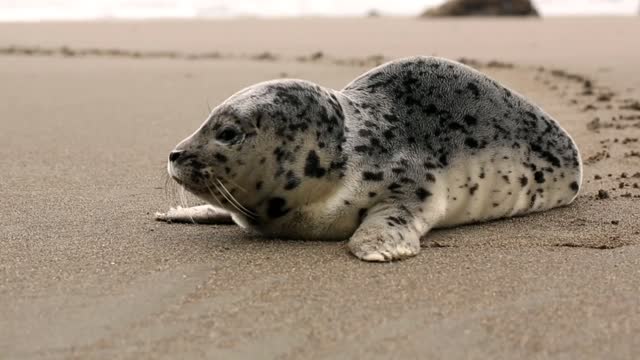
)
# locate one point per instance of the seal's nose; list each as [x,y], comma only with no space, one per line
[175,155]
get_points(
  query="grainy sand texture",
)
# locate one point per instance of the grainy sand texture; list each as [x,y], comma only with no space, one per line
[89,111]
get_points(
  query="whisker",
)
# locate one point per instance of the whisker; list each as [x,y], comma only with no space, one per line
[184,202]
[227,195]
[236,185]
[181,195]
[168,185]
[233,198]
[229,200]
[174,193]
[170,189]
[214,196]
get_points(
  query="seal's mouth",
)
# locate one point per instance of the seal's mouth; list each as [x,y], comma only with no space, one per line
[173,173]
[177,180]
[195,182]
[191,180]
[202,182]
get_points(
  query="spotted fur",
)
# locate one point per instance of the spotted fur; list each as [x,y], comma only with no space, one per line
[414,144]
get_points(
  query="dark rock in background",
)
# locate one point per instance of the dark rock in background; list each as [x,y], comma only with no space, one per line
[483,8]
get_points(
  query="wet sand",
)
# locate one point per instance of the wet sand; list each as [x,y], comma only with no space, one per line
[85,271]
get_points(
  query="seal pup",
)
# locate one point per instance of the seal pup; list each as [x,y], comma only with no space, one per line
[411,145]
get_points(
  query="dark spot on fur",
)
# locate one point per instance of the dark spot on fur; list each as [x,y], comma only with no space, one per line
[388,134]
[397,220]
[279,153]
[473,189]
[220,157]
[551,158]
[376,143]
[470,120]
[474,89]
[276,207]
[338,165]
[371,176]
[430,166]
[292,181]
[371,124]
[574,186]
[524,181]
[197,165]
[390,118]
[443,160]
[422,194]
[258,120]
[471,142]
[312,166]
[539,176]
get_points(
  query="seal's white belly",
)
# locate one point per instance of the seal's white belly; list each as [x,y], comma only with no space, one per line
[495,184]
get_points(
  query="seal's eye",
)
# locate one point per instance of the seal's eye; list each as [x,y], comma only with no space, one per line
[229,135]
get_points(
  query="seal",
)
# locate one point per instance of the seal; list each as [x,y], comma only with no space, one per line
[411,145]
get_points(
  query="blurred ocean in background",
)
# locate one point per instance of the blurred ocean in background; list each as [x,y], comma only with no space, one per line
[36,10]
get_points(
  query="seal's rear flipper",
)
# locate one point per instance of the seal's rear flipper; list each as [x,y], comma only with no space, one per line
[203,214]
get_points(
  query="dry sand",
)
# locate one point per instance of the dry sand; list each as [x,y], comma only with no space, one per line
[85,272]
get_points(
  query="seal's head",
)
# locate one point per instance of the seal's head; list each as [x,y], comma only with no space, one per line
[261,143]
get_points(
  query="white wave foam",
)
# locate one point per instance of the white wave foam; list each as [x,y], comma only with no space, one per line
[39,10]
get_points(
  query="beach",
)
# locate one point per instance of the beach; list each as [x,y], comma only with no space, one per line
[90,112]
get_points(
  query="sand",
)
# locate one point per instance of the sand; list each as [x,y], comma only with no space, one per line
[85,271]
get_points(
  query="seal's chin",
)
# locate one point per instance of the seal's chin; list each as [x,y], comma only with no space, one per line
[172,172]
[175,174]
[196,188]
[194,182]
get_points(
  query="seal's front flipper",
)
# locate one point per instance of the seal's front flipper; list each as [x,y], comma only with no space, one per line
[392,231]
[203,214]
